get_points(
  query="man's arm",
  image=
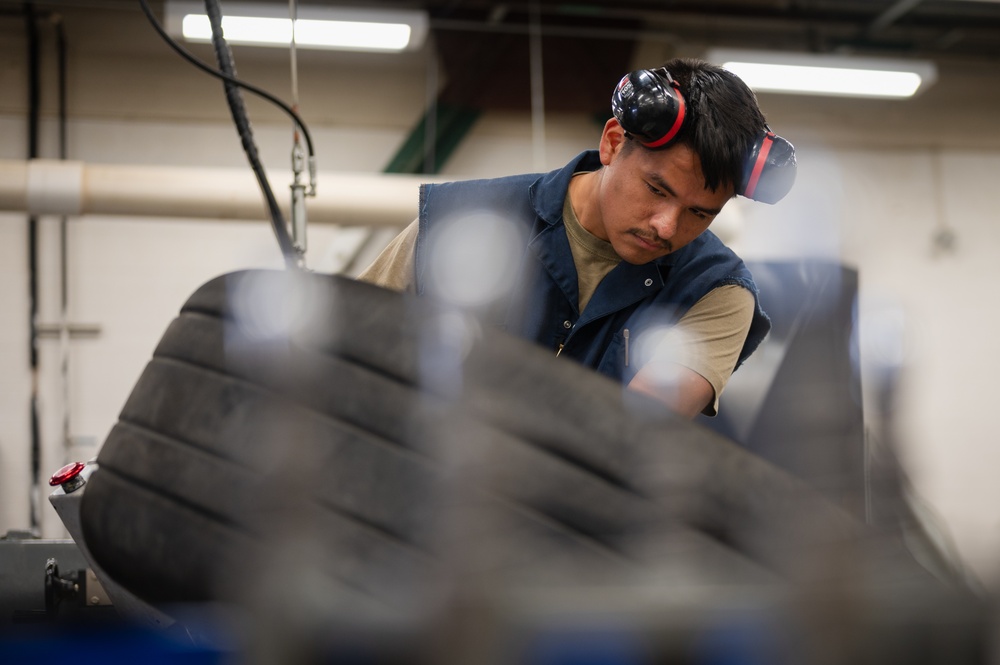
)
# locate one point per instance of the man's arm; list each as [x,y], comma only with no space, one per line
[693,362]
[683,390]
[393,268]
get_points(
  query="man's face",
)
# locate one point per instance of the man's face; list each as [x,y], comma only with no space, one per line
[653,203]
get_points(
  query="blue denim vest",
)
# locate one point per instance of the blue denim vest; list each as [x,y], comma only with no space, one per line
[543,305]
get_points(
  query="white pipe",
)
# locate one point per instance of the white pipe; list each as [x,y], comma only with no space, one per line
[51,187]
[55,187]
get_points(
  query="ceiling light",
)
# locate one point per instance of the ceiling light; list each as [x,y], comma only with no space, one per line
[315,27]
[833,75]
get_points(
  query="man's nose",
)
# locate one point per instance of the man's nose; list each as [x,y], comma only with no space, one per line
[666,221]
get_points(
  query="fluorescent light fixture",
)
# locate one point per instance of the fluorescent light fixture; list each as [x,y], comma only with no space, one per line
[315,27]
[832,75]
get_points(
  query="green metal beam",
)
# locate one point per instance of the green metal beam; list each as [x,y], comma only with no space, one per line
[451,124]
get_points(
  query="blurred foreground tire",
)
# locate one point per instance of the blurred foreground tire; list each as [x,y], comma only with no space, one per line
[291,420]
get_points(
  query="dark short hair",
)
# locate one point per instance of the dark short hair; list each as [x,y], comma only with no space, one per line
[723,120]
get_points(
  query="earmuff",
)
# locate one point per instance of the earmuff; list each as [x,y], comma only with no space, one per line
[769,172]
[649,105]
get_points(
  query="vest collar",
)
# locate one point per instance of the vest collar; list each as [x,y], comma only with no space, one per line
[623,286]
[549,192]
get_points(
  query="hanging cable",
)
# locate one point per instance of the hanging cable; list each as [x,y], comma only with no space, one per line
[537,86]
[237,109]
[232,85]
[431,117]
[293,15]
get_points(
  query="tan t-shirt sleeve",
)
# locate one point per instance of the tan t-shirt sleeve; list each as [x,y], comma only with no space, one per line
[394,267]
[709,337]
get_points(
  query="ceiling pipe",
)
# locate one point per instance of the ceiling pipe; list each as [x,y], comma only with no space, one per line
[51,187]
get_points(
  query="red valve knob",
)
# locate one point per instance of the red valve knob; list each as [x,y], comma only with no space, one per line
[67,473]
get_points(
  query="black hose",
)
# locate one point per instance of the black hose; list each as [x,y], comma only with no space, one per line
[227,72]
[234,97]
[34,96]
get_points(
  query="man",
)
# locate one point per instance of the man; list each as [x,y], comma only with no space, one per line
[619,271]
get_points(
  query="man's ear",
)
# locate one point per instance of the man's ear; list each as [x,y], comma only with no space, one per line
[612,140]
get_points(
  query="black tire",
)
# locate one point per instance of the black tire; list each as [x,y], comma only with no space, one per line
[233,442]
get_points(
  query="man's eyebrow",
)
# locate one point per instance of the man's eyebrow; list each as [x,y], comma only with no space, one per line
[662,184]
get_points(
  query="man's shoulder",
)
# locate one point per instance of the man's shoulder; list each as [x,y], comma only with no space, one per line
[552,183]
[507,195]
[477,188]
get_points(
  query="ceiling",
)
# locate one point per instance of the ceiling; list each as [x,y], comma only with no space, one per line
[484,49]
[484,46]
[924,28]
[920,28]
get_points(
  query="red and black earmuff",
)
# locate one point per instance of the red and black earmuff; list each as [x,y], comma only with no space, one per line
[770,169]
[649,105]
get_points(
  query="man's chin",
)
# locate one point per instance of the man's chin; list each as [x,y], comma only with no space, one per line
[637,252]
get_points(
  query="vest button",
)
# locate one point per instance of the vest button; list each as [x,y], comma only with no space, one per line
[567,324]
[649,281]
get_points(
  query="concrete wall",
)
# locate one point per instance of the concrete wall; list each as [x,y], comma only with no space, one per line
[879,182]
